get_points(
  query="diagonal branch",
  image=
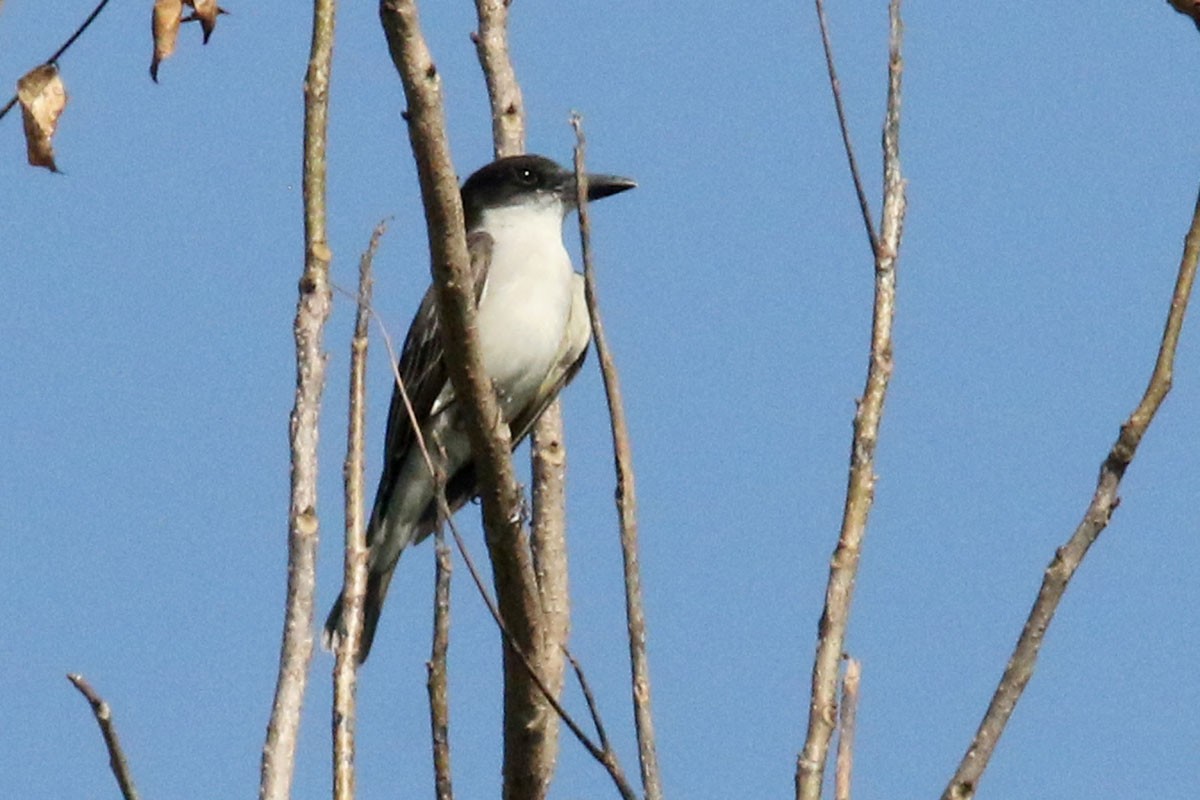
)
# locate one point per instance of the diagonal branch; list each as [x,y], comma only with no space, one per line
[108,729]
[625,496]
[860,489]
[836,86]
[312,311]
[1068,557]
[62,48]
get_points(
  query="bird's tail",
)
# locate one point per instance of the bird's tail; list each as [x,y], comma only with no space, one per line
[377,586]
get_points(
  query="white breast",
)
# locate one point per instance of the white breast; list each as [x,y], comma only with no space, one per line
[526,302]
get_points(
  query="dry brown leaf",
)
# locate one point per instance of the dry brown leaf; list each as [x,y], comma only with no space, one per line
[164,24]
[1189,7]
[43,97]
[206,13]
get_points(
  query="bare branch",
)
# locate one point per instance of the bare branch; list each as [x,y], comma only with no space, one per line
[355,562]
[846,720]
[836,86]
[504,93]
[1068,557]
[108,729]
[590,699]
[531,745]
[62,48]
[860,490]
[312,311]
[606,757]
[490,443]
[437,683]
[625,496]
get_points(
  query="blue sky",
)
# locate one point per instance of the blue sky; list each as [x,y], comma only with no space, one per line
[146,355]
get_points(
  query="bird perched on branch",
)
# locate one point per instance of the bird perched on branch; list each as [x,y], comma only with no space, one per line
[533,334]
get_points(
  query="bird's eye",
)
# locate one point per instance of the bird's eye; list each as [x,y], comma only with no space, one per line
[527,177]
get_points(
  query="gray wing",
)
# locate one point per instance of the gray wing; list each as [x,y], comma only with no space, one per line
[423,373]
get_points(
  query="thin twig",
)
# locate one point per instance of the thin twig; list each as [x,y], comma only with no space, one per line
[65,46]
[312,311]
[437,683]
[626,497]
[836,86]
[108,729]
[860,490]
[590,699]
[355,561]
[847,715]
[1068,557]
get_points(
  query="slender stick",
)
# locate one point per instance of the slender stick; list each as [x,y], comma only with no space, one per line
[626,497]
[836,86]
[860,490]
[846,724]
[1095,519]
[65,46]
[437,683]
[355,561]
[312,311]
[108,729]
[590,699]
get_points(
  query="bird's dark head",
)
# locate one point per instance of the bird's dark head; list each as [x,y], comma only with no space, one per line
[530,179]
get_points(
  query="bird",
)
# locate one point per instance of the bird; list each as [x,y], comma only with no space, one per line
[534,331]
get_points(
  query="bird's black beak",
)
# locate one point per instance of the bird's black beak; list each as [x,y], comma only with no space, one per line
[599,186]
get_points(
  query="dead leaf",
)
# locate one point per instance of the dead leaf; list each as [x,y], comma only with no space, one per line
[206,13]
[1190,8]
[43,97]
[164,24]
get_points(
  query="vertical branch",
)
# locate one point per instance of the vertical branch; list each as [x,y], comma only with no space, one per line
[312,310]
[437,683]
[504,93]
[1095,519]
[355,564]
[860,490]
[108,729]
[502,498]
[548,468]
[846,724]
[548,540]
[625,497]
